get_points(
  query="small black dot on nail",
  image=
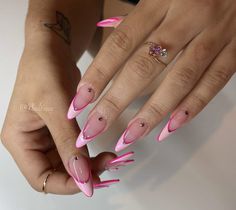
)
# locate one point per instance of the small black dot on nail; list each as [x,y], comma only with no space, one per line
[186,112]
[89,90]
[76,158]
[100,118]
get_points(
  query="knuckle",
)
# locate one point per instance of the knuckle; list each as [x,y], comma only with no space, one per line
[219,76]
[202,51]
[4,137]
[156,110]
[142,66]
[198,100]
[100,72]
[112,104]
[185,77]
[65,138]
[120,39]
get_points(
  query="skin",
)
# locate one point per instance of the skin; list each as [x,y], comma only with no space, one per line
[36,131]
[204,31]
[40,138]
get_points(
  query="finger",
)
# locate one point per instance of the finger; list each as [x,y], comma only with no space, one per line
[140,70]
[109,161]
[64,134]
[99,162]
[178,83]
[36,166]
[210,84]
[117,48]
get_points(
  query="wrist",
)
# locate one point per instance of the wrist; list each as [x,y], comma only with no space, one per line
[39,35]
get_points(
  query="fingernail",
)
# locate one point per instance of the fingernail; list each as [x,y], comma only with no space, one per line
[93,127]
[81,100]
[122,160]
[81,173]
[111,22]
[105,184]
[115,166]
[131,134]
[174,123]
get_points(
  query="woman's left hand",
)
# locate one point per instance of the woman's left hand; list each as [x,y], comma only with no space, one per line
[148,39]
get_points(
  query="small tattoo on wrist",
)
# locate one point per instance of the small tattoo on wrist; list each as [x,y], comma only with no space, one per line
[62,27]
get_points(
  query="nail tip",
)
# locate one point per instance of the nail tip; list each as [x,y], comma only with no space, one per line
[88,192]
[161,138]
[73,114]
[163,134]
[70,116]
[118,148]
[79,142]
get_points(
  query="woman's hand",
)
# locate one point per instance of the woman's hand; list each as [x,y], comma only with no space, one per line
[37,132]
[148,39]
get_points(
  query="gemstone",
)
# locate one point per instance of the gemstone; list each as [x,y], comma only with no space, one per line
[155,50]
[164,53]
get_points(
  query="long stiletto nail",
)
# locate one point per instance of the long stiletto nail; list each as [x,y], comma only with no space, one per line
[105,184]
[122,160]
[134,131]
[174,123]
[111,22]
[81,100]
[81,173]
[93,127]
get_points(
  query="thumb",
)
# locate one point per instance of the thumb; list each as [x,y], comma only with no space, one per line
[64,133]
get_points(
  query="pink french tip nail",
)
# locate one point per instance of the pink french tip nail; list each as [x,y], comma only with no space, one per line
[110,22]
[81,173]
[175,122]
[123,157]
[105,184]
[115,166]
[93,127]
[122,160]
[81,100]
[134,131]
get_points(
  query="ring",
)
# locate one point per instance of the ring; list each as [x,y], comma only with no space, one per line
[46,180]
[156,50]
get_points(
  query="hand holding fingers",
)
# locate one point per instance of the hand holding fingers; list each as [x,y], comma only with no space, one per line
[46,153]
[41,139]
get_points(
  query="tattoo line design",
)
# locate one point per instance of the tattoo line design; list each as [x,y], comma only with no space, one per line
[62,27]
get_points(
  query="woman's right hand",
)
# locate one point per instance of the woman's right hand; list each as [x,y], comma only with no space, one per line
[36,130]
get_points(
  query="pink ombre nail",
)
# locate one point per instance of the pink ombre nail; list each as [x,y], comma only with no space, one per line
[174,123]
[81,100]
[81,173]
[134,131]
[93,127]
[122,160]
[105,184]
[111,22]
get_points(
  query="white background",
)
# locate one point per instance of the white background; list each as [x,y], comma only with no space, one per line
[194,169]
